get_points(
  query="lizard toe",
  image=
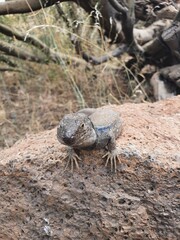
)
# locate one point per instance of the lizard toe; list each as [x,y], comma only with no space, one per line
[111,158]
[72,159]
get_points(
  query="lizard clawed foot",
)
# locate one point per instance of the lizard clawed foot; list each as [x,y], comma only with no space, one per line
[112,157]
[72,159]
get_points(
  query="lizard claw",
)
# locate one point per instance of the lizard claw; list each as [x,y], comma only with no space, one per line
[72,159]
[112,157]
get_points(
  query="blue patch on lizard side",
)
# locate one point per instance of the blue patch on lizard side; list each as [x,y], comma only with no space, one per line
[102,129]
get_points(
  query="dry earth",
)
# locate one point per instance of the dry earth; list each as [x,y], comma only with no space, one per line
[39,200]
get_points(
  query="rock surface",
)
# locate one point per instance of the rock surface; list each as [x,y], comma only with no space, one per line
[39,200]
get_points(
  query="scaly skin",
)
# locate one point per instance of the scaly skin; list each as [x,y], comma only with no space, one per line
[90,129]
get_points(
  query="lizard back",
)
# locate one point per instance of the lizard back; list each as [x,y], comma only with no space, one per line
[107,124]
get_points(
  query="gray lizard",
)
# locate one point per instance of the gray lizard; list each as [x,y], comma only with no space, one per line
[90,129]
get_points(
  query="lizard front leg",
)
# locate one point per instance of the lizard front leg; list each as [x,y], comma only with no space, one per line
[72,158]
[113,155]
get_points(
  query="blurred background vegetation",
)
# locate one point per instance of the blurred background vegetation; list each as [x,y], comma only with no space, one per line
[34,96]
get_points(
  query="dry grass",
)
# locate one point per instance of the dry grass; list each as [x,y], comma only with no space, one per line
[37,98]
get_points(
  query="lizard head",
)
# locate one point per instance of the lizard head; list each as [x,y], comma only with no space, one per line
[76,130]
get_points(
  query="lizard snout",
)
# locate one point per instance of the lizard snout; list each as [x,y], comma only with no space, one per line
[68,140]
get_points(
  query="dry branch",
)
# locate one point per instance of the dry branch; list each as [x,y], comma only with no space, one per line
[144,35]
[24,6]
[171,73]
[11,50]
[6,60]
[12,69]
[126,10]
[127,16]
[166,82]
[167,43]
[51,56]
[55,57]
[118,6]
[168,12]
[98,60]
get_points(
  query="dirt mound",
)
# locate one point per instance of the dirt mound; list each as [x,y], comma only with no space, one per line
[39,200]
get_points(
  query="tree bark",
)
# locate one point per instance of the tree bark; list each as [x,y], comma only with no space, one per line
[24,6]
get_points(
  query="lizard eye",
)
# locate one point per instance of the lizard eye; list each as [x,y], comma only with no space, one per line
[82,125]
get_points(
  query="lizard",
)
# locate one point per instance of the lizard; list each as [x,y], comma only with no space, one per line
[90,129]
